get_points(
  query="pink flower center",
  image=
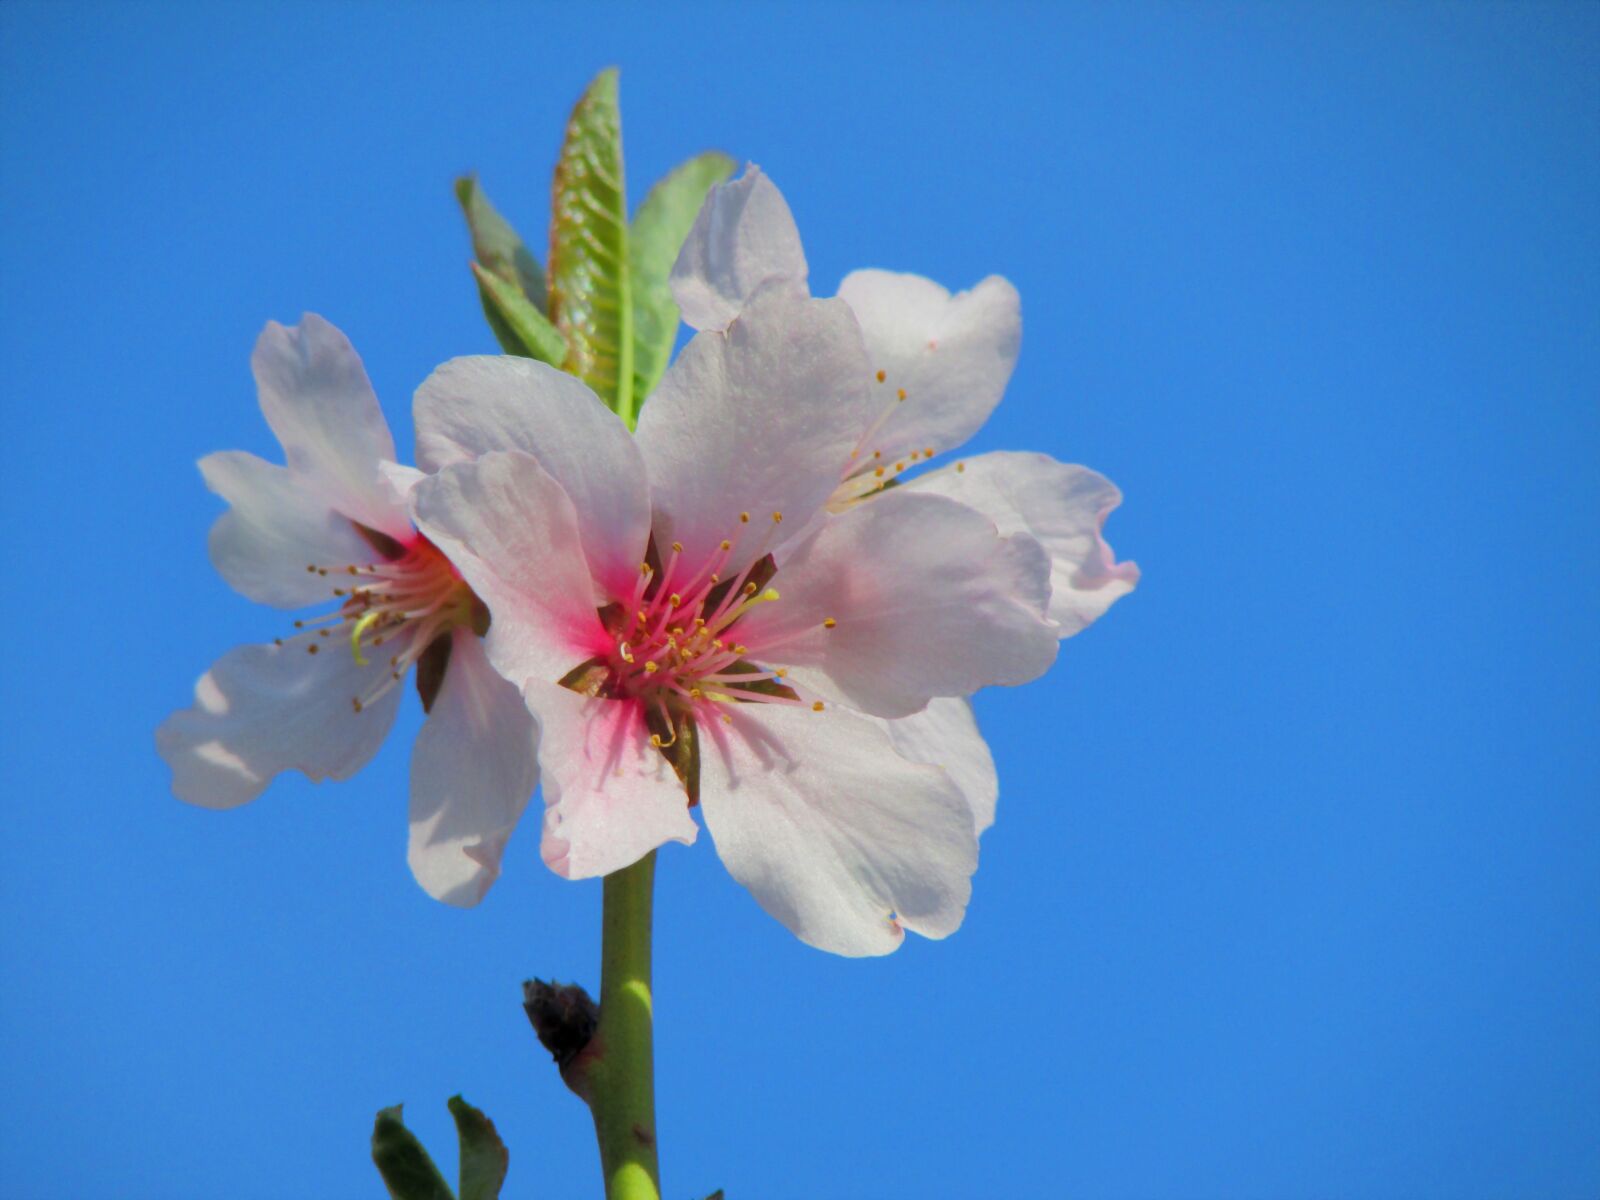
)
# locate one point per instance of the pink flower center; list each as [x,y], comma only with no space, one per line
[408,599]
[674,645]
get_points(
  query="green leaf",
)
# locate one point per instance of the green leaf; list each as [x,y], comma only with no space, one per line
[521,328]
[654,239]
[484,1158]
[496,245]
[407,1171]
[589,291]
[511,286]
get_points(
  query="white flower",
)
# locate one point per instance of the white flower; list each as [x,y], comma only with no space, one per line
[331,528]
[683,613]
[938,364]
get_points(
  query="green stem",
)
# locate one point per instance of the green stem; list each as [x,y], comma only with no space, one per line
[621,1071]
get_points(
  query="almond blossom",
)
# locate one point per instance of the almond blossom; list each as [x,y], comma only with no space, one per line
[690,623]
[331,528]
[939,365]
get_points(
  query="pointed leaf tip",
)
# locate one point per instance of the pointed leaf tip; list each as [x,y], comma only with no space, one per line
[511,284]
[590,301]
[484,1158]
[407,1171]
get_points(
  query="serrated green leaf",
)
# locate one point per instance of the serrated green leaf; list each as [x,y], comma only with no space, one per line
[484,1157]
[495,243]
[654,239]
[589,290]
[520,327]
[407,1171]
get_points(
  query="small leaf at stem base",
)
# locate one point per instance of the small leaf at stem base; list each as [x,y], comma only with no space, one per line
[484,1158]
[407,1171]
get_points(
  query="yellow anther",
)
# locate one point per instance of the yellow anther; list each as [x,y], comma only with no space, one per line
[829,623]
[695,693]
[960,467]
[726,719]
[877,472]
[816,706]
[726,545]
[882,375]
[626,651]
[928,453]
[900,466]
[744,518]
[650,668]
[777,518]
[675,599]
[311,649]
[780,673]
[900,395]
[678,546]
[749,589]
[741,650]
[355,703]
[644,569]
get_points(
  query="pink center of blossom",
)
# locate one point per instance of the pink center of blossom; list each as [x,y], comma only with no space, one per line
[675,647]
[406,601]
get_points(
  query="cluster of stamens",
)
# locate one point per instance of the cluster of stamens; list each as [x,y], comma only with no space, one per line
[871,469]
[407,599]
[677,647]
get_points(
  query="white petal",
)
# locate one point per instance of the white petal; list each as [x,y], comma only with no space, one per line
[743,236]
[473,770]
[473,406]
[1064,507]
[834,833]
[510,530]
[927,600]
[262,710]
[946,735]
[315,394]
[610,797]
[757,421]
[277,526]
[951,355]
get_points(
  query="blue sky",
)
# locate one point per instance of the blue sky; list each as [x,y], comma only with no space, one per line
[1295,889]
